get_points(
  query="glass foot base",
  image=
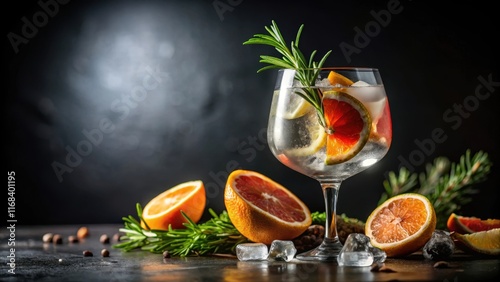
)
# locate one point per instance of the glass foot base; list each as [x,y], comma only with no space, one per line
[328,251]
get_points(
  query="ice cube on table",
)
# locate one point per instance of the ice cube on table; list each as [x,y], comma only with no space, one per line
[282,250]
[379,256]
[358,251]
[355,259]
[439,247]
[251,251]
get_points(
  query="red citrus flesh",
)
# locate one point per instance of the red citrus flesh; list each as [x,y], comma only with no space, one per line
[467,225]
[348,126]
[270,198]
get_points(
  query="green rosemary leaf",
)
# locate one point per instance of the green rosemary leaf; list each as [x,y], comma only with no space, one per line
[194,239]
[293,58]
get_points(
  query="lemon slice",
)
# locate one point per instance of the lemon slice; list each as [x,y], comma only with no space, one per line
[296,107]
[317,135]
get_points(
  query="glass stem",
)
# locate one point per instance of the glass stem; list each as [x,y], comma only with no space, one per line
[330,191]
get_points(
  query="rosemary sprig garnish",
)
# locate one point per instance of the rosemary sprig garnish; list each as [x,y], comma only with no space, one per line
[215,236]
[307,70]
[447,185]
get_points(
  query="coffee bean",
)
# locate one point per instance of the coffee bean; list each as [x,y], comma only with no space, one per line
[57,239]
[47,237]
[87,253]
[73,239]
[104,253]
[104,239]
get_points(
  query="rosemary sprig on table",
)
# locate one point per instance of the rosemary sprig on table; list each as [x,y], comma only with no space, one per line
[217,235]
[447,185]
[292,58]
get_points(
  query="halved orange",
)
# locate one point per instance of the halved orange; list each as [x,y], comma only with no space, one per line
[466,225]
[263,210]
[165,209]
[348,126]
[482,242]
[402,224]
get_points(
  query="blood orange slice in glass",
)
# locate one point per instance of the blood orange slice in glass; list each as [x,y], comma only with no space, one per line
[348,125]
[263,210]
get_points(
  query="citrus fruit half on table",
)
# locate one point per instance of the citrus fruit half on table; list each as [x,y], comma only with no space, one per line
[466,225]
[263,210]
[165,209]
[402,224]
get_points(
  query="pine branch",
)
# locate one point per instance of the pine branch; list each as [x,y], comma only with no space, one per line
[447,185]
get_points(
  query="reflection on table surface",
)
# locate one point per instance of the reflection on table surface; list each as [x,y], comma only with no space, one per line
[35,260]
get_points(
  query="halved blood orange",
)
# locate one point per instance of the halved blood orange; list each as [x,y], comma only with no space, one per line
[467,225]
[402,224]
[263,210]
[165,209]
[348,126]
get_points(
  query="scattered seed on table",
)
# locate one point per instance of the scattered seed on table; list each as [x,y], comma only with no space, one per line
[87,253]
[104,239]
[105,253]
[116,237]
[57,239]
[73,239]
[83,232]
[47,237]
[166,254]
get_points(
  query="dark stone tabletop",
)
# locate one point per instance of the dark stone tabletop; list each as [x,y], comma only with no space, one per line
[35,260]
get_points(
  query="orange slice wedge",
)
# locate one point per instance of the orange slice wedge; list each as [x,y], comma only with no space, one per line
[482,242]
[338,80]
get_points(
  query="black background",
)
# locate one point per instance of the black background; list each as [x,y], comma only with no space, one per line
[209,110]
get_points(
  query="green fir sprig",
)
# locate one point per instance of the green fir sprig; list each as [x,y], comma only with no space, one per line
[307,69]
[215,236]
[447,185]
